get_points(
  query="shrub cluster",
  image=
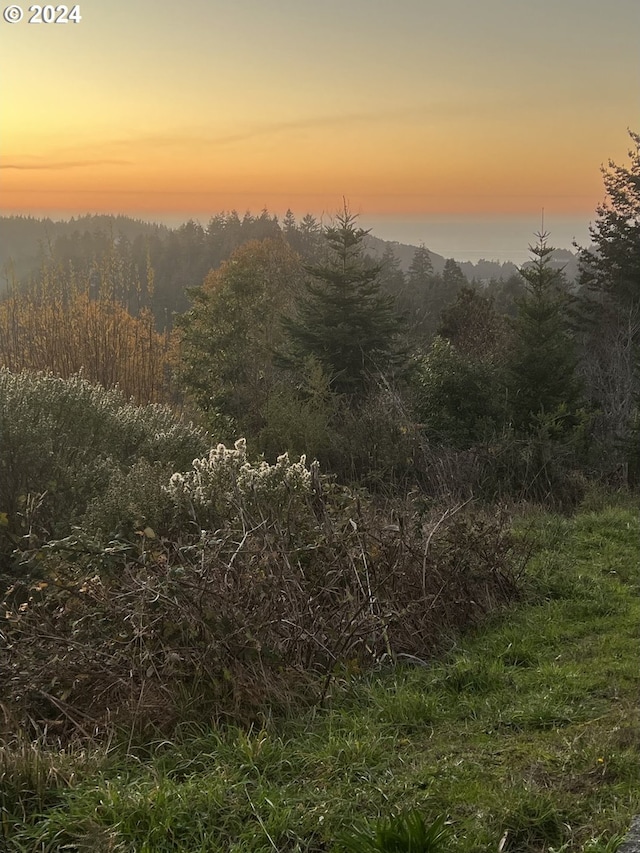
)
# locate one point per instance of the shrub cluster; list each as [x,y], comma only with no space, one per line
[272,582]
[67,445]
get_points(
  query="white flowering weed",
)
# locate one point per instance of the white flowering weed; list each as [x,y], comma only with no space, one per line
[226,483]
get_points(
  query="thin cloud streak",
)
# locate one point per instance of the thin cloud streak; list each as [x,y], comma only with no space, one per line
[271,129]
[191,139]
[75,164]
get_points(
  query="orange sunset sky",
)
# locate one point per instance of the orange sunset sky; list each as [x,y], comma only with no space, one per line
[413,107]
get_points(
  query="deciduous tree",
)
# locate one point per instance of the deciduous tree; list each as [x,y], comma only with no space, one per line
[230,335]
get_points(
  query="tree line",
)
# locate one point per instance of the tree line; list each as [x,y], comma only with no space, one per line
[294,337]
[355,361]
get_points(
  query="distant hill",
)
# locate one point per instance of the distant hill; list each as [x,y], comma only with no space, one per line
[482,271]
[25,240]
[565,260]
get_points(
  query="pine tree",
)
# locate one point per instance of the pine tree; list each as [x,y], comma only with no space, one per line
[288,223]
[392,279]
[543,363]
[420,269]
[345,322]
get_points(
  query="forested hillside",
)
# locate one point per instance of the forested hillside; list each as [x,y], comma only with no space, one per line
[182,256]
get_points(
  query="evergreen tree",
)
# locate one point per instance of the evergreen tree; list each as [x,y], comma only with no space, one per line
[421,269]
[288,223]
[345,322]
[453,279]
[543,363]
[611,267]
[458,400]
[506,294]
[416,301]
[309,237]
[609,314]
[230,335]
[391,277]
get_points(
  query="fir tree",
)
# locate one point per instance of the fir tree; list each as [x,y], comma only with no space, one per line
[610,269]
[453,279]
[543,364]
[345,322]
[288,223]
[420,269]
[392,279]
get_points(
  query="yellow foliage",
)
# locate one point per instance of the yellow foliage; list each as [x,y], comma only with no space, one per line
[58,327]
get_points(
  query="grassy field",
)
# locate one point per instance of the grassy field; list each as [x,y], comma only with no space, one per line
[526,737]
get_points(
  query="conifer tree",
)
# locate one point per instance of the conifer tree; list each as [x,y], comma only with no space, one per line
[474,327]
[453,279]
[611,267]
[418,296]
[229,336]
[609,316]
[344,321]
[421,269]
[288,223]
[542,367]
[392,279]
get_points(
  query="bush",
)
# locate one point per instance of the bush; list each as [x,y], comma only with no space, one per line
[458,399]
[286,580]
[541,467]
[62,442]
[300,415]
[377,443]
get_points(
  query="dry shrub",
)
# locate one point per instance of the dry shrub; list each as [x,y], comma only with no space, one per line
[508,469]
[260,613]
[68,326]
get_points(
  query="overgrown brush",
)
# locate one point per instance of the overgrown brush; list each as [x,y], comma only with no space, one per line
[65,445]
[273,582]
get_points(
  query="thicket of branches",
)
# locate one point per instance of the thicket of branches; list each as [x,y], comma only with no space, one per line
[268,583]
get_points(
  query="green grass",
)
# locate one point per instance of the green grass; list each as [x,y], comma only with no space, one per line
[527,736]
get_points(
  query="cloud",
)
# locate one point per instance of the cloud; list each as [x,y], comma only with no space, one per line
[72,164]
[305,124]
[189,138]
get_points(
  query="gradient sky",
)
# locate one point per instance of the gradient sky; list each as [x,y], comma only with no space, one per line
[436,108]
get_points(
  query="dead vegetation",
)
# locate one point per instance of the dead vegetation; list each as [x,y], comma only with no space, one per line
[258,614]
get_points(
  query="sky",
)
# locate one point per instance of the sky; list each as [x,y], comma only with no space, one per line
[475,113]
